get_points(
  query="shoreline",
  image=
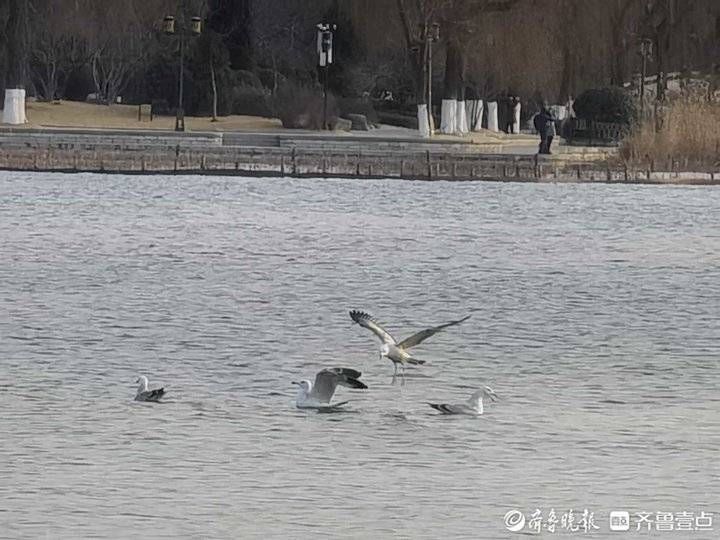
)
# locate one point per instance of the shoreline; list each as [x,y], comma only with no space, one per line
[312,156]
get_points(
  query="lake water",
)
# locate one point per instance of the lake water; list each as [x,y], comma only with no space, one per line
[595,317]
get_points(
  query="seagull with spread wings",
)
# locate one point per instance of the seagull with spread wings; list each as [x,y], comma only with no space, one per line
[317,396]
[396,352]
[473,406]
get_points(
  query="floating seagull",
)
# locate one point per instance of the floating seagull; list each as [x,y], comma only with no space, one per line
[473,406]
[391,349]
[318,395]
[143,394]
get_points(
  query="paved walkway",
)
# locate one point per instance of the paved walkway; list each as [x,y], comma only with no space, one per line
[484,142]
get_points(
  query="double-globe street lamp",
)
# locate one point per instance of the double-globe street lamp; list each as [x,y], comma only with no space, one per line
[182,32]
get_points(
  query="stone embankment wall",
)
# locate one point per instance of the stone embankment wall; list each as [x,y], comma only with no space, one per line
[210,154]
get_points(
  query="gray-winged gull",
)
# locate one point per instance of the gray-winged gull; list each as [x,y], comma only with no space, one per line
[390,348]
[473,406]
[143,394]
[318,395]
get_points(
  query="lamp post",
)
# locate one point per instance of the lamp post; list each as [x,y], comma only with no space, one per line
[325,58]
[646,47]
[431,35]
[194,30]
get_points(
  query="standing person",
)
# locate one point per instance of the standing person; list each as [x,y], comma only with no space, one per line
[549,130]
[540,122]
[510,114]
[544,123]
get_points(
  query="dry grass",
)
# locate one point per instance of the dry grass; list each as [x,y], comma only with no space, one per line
[688,139]
[88,115]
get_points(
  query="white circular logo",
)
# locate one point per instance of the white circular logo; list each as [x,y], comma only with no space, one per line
[514,520]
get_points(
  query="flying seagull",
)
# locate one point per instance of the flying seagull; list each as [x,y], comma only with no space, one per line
[391,349]
[473,406]
[318,395]
[143,394]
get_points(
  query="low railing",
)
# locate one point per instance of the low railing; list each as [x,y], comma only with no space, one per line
[590,131]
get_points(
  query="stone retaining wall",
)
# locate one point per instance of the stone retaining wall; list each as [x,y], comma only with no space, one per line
[311,162]
[143,152]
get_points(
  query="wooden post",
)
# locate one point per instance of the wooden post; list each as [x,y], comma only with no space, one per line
[535,163]
[429,165]
[282,165]
[402,168]
[294,162]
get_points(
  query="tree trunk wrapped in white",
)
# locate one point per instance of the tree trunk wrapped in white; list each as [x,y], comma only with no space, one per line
[474,113]
[492,116]
[423,123]
[14,108]
[516,118]
[448,116]
[461,122]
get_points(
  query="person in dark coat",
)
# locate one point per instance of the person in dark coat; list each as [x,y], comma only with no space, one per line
[510,113]
[544,123]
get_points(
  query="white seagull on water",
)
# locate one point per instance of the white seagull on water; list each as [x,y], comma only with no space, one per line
[473,406]
[391,349]
[318,395]
[143,394]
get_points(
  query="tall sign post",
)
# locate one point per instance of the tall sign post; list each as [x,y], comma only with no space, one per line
[325,58]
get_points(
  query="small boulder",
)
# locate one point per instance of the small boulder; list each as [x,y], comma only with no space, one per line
[359,122]
[340,124]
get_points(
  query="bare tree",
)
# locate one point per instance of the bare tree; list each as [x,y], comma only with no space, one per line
[417,19]
[56,45]
[458,25]
[17,33]
[120,35]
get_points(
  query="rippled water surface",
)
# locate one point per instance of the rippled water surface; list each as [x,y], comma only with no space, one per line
[595,312]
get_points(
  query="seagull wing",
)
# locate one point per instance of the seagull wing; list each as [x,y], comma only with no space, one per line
[150,395]
[366,320]
[447,408]
[327,380]
[421,336]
